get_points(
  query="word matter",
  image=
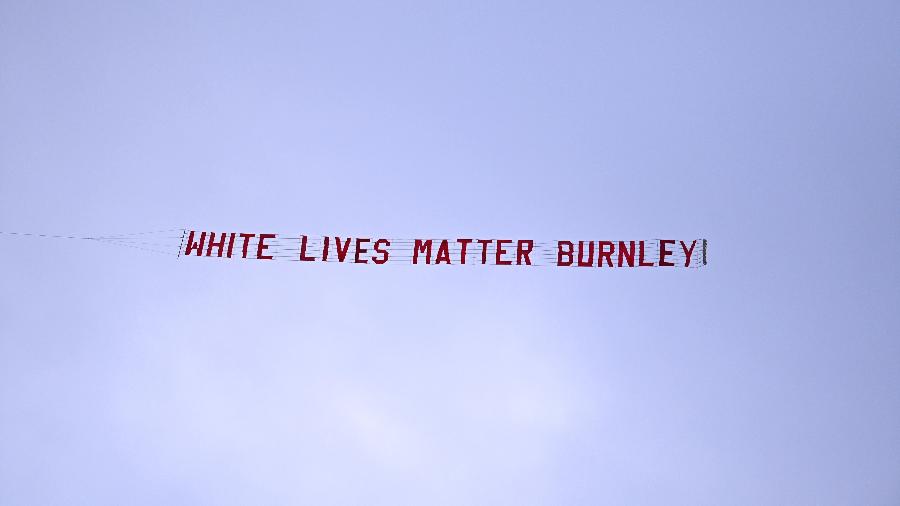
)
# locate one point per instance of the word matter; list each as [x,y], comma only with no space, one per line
[459,251]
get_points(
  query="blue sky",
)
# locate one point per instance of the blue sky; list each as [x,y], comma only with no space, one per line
[768,376]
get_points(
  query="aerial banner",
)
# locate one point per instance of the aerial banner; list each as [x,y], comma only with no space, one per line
[690,253]
[318,248]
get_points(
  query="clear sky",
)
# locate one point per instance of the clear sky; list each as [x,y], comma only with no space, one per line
[771,376]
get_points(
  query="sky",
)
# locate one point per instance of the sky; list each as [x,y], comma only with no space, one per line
[769,376]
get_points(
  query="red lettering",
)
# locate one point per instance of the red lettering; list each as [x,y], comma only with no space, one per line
[246,238]
[191,245]
[261,246]
[360,251]
[443,253]
[484,245]
[523,252]
[626,253]
[500,251]
[663,253]
[325,249]
[231,244]
[303,256]
[341,252]
[605,254]
[383,252]
[590,260]
[422,247]
[641,262]
[688,252]
[464,243]
[560,253]
[212,244]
